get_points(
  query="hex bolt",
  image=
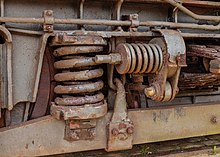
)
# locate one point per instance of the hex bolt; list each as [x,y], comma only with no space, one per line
[122,125]
[150,91]
[130,130]
[115,132]
[49,13]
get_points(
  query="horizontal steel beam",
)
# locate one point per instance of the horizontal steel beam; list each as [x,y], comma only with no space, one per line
[45,135]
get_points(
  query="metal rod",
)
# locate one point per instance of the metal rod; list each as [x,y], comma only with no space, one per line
[197,3]
[93,22]
[22,20]
[190,13]
[2,8]
[117,12]
[81,9]
[23,31]
[110,34]
[180,25]
[109,23]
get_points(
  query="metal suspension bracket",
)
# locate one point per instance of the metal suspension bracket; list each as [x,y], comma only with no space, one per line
[48,20]
[134,22]
[120,129]
[80,130]
[163,85]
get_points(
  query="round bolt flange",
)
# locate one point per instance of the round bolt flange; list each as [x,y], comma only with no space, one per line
[115,132]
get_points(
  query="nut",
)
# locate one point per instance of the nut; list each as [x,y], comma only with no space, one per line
[122,125]
[115,132]
[49,12]
[130,130]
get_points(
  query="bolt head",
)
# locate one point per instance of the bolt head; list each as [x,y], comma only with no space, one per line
[115,132]
[135,16]
[130,130]
[150,91]
[49,13]
[122,125]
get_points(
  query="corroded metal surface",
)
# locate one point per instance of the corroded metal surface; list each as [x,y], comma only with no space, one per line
[7,100]
[163,86]
[139,58]
[120,128]
[65,39]
[79,88]
[80,130]
[33,142]
[77,50]
[82,75]
[89,39]
[76,89]
[42,100]
[79,100]
[76,62]
[88,111]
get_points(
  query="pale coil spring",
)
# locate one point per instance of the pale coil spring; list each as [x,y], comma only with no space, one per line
[78,76]
[139,58]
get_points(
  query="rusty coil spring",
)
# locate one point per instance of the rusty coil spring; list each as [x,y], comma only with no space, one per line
[139,58]
[78,76]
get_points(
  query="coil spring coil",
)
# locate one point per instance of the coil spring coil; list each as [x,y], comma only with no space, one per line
[78,76]
[139,58]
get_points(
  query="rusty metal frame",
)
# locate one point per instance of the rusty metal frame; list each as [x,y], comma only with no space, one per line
[150,125]
[7,36]
[42,47]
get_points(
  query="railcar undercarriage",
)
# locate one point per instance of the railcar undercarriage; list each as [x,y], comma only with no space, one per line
[107,75]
